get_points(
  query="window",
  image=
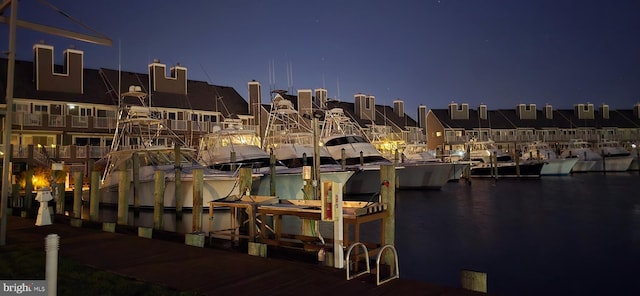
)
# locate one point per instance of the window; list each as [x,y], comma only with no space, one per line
[40,109]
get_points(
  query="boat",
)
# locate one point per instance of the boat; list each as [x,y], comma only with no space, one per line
[232,145]
[291,138]
[614,158]
[553,165]
[489,161]
[578,148]
[419,152]
[346,143]
[139,135]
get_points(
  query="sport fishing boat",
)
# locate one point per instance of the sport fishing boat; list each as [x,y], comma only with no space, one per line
[233,145]
[291,138]
[140,138]
[346,142]
[490,161]
[553,165]
[614,157]
[582,150]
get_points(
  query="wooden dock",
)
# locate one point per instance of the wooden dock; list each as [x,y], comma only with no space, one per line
[166,260]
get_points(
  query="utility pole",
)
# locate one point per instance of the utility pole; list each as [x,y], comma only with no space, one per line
[8,119]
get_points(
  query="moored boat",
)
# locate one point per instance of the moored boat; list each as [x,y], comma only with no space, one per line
[553,165]
[490,161]
[141,136]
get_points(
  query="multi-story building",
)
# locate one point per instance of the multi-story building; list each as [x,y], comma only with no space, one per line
[448,129]
[66,113]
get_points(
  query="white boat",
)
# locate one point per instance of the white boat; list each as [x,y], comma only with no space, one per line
[490,161]
[138,133]
[345,142]
[422,170]
[580,149]
[614,158]
[291,138]
[553,165]
[233,145]
[420,153]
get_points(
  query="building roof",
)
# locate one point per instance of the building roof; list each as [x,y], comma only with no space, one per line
[563,118]
[101,85]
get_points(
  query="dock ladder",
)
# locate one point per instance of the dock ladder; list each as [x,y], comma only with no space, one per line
[392,249]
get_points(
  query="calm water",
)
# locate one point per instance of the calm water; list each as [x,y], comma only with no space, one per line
[574,235]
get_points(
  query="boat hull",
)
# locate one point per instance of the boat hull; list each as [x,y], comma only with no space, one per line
[427,175]
[528,170]
[612,164]
[290,185]
[212,190]
[558,167]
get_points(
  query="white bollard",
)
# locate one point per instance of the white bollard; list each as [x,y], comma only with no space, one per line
[52,242]
[44,216]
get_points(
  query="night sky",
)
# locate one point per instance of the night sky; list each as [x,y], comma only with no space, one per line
[500,53]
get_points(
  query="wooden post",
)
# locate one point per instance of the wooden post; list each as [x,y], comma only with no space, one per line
[158,197]
[604,164]
[307,225]
[28,195]
[60,190]
[94,200]
[304,159]
[178,181]
[136,181]
[494,164]
[388,198]
[316,158]
[396,157]
[361,158]
[272,173]
[124,185]
[198,174]
[474,280]
[517,164]
[244,181]
[343,159]
[77,194]
[232,160]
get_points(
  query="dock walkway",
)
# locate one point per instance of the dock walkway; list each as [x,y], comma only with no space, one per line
[207,271]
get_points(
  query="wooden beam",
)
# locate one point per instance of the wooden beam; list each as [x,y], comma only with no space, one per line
[59,32]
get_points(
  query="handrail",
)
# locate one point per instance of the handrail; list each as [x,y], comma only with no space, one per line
[366,252]
[395,257]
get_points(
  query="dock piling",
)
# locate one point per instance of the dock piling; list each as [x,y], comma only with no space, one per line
[158,197]
[77,194]
[124,186]
[94,207]
[198,175]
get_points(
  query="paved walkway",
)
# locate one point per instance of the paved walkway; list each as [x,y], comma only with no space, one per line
[206,270]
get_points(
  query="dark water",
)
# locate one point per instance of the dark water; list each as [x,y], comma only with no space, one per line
[573,235]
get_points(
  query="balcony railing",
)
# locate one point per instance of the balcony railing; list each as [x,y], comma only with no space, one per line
[79,121]
[104,122]
[56,120]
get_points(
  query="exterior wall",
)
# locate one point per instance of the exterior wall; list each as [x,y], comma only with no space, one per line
[527,111]
[459,111]
[398,107]
[176,83]
[435,132]
[68,81]
[305,102]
